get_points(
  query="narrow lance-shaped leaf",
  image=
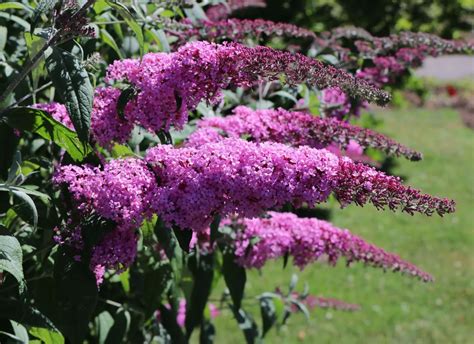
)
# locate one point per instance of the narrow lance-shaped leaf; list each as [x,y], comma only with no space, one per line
[268,313]
[203,273]
[247,325]
[73,85]
[235,278]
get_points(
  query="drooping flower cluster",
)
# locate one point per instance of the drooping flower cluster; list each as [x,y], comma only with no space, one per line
[391,56]
[386,69]
[293,128]
[307,240]
[237,30]
[430,44]
[235,176]
[170,85]
[188,186]
[361,184]
[120,192]
[223,10]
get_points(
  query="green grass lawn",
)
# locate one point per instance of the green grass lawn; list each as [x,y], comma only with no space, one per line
[395,308]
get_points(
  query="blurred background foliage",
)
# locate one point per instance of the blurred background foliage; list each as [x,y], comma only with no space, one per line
[447,18]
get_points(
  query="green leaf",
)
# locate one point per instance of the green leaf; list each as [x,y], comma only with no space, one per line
[15,19]
[157,283]
[3,37]
[268,313]
[184,237]
[235,278]
[28,201]
[292,285]
[13,337]
[125,281]
[131,22]
[26,189]
[104,322]
[47,336]
[110,41]
[34,44]
[119,330]
[247,325]
[121,151]
[76,297]
[13,6]
[8,142]
[207,333]
[20,331]
[24,313]
[203,273]
[11,259]
[41,123]
[73,85]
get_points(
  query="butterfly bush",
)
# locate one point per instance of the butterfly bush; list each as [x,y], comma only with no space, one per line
[188,186]
[391,56]
[307,240]
[293,128]
[237,30]
[170,85]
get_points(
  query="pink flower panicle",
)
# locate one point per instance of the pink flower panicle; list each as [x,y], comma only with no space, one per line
[293,128]
[120,192]
[223,10]
[360,184]
[234,176]
[269,63]
[388,69]
[188,186]
[431,44]
[307,240]
[384,46]
[391,55]
[170,85]
[237,30]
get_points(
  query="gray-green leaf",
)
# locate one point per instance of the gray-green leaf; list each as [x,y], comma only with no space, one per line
[11,258]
